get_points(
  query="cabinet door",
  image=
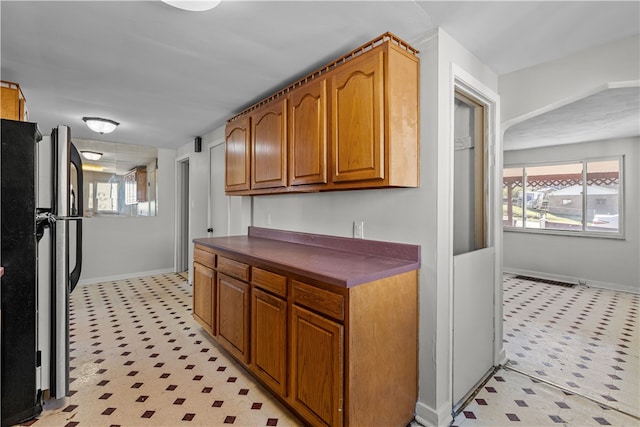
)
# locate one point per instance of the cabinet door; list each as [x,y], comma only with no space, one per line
[233,316]
[269,145]
[204,297]
[308,134]
[141,185]
[237,155]
[12,106]
[357,119]
[269,340]
[316,367]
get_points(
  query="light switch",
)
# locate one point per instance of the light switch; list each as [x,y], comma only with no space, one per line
[358,229]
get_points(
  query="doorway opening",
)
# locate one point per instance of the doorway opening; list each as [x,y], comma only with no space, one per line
[470,160]
[182,218]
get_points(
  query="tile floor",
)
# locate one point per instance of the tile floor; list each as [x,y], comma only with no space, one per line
[138,359]
[584,341]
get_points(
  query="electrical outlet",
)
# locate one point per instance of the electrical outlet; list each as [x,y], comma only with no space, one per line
[358,229]
[582,282]
[267,218]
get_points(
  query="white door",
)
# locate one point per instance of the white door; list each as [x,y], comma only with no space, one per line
[218,201]
[472,320]
[473,259]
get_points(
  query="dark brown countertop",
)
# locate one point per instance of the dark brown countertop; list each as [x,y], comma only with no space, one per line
[336,260]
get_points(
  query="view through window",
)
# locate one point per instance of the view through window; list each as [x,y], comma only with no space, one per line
[576,197]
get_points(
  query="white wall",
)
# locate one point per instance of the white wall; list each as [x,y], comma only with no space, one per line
[408,215]
[601,262]
[126,247]
[532,91]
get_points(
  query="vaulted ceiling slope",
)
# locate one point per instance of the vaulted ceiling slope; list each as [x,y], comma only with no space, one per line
[169,75]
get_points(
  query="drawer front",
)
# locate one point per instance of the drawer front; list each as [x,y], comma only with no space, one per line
[319,300]
[204,257]
[269,281]
[233,268]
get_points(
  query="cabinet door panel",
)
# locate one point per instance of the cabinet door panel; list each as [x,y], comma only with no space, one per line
[308,134]
[317,367]
[204,297]
[233,316]
[269,145]
[357,97]
[237,155]
[269,340]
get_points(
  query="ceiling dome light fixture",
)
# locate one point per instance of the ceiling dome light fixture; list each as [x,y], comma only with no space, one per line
[99,125]
[193,6]
[91,155]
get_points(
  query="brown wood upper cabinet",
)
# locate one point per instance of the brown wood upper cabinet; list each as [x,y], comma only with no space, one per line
[357,121]
[308,134]
[352,124]
[237,155]
[374,120]
[13,104]
[269,145]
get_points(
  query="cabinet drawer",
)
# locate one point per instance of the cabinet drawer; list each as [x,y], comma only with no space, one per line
[233,268]
[270,281]
[204,257]
[317,299]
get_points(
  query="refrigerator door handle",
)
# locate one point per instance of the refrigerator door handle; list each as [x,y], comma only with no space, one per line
[76,160]
[74,277]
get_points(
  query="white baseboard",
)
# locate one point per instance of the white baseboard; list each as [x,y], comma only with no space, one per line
[94,280]
[576,280]
[428,417]
[501,359]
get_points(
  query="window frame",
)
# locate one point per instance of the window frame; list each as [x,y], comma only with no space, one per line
[584,232]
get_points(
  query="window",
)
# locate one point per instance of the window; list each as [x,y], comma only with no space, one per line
[581,198]
[107,197]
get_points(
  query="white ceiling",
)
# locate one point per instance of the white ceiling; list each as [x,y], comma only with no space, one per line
[607,114]
[168,75]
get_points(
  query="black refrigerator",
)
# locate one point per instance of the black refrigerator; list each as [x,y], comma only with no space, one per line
[41,252]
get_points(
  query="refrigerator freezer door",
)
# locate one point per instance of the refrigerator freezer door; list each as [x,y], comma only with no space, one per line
[60,197]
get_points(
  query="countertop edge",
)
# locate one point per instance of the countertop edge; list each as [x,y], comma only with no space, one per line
[405,265]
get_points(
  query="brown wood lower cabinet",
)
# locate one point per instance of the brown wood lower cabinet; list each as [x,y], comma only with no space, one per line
[233,316]
[204,297]
[336,356]
[316,367]
[269,339]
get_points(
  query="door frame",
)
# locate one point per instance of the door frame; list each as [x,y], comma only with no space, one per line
[465,83]
[182,212]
